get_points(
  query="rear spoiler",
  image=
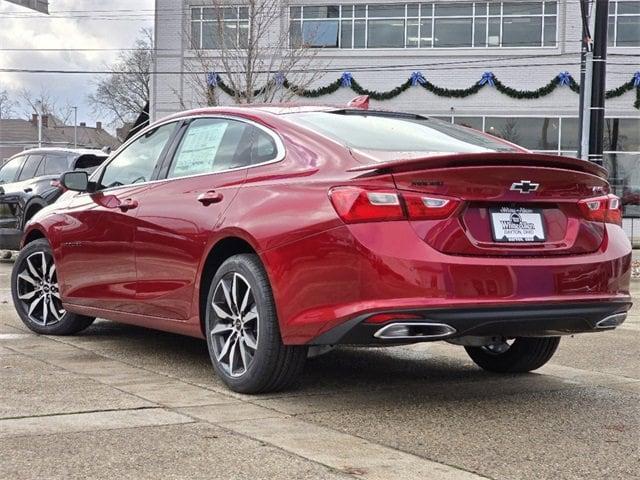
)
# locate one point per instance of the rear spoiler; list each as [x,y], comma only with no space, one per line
[449,160]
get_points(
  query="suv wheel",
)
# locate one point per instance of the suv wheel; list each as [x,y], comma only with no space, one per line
[243,335]
[36,294]
[522,355]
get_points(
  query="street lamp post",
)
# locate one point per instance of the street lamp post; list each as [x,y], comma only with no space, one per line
[75,127]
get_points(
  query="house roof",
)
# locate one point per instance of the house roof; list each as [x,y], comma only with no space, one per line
[17,131]
[24,132]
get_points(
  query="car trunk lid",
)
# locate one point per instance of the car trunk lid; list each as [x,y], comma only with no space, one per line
[511,204]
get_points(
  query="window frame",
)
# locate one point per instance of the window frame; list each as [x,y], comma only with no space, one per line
[169,156]
[95,178]
[201,21]
[426,12]
[613,18]
[24,164]
[19,169]
[68,158]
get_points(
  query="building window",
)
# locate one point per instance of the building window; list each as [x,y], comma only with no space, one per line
[530,132]
[624,23]
[425,25]
[216,28]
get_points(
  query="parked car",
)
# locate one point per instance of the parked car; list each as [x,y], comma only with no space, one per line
[272,230]
[28,183]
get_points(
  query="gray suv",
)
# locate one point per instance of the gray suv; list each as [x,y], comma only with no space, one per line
[28,182]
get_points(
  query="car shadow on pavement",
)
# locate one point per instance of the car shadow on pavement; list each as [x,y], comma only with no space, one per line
[391,372]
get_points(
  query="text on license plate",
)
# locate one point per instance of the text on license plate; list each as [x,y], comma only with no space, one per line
[517,225]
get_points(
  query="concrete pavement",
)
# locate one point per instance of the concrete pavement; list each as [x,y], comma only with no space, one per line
[125,402]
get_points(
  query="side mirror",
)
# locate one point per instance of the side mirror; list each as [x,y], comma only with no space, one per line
[78,181]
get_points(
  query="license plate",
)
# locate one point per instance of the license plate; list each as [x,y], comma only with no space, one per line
[513,225]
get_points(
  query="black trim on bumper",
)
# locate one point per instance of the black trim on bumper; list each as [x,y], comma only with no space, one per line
[531,321]
[10,238]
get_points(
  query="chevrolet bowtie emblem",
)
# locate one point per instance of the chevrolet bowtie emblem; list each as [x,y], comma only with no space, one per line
[524,186]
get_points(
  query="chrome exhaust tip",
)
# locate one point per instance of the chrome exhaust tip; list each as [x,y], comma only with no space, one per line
[414,331]
[612,321]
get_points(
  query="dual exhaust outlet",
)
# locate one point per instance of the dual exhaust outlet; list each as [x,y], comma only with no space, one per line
[414,330]
[435,331]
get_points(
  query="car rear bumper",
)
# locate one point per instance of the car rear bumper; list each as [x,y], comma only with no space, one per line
[10,238]
[533,320]
[344,274]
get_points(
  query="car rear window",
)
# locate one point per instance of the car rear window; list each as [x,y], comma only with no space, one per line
[55,164]
[389,132]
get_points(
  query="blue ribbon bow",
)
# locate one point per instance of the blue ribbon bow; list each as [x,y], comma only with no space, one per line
[346,79]
[636,79]
[487,77]
[212,79]
[564,79]
[279,79]
[417,79]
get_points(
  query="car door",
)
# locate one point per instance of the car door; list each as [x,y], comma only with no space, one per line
[8,202]
[176,219]
[96,265]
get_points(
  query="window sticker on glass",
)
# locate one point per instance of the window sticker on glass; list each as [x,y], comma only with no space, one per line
[199,148]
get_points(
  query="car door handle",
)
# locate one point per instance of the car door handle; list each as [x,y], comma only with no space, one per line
[207,198]
[128,204]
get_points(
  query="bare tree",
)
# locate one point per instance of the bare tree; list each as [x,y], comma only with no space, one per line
[122,95]
[250,48]
[45,103]
[7,105]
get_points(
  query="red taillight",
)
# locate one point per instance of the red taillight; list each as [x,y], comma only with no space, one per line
[602,209]
[421,207]
[356,204]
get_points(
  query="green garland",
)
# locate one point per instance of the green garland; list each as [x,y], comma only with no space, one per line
[416,79]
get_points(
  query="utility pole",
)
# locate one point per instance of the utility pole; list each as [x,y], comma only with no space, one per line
[75,127]
[38,110]
[598,86]
[585,80]
[39,130]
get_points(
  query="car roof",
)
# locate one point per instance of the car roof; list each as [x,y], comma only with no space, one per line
[255,109]
[76,151]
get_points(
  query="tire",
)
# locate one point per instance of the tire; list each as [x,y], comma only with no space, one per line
[246,350]
[34,280]
[523,355]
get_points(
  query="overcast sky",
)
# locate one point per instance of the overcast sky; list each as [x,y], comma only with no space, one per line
[73,24]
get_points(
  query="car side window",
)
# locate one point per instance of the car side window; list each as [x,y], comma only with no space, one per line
[212,145]
[9,170]
[30,167]
[55,164]
[209,145]
[135,164]
[264,148]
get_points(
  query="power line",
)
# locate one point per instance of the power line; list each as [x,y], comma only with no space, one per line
[428,68]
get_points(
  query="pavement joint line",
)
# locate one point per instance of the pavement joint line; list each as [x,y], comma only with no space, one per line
[62,414]
[100,429]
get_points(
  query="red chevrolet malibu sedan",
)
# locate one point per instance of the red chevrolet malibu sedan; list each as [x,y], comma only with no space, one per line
[271,231]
